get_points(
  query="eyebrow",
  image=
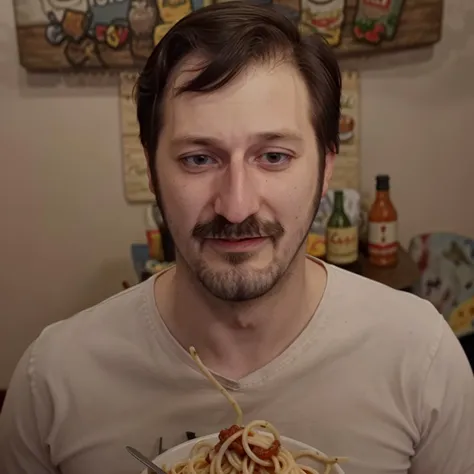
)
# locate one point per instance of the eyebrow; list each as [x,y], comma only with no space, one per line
[271,136]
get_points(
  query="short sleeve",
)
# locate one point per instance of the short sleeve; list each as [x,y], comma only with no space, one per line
[24,415]
[446,412]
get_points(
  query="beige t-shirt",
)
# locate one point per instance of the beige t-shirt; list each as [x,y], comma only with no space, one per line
[377,376]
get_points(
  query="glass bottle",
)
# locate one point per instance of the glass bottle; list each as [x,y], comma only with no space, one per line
[382,234]
[342,240]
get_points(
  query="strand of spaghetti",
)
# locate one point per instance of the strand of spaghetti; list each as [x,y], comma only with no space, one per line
[216,463]
[233,460]
[202,446]
[328,468]
[276,464]
[318,457]
[247,467]
[288,464]
[245,440]
[308,469]
[190,466]
[179,467]
[219,387]
[194,465]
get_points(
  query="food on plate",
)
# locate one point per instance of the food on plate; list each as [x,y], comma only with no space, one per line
[251,449]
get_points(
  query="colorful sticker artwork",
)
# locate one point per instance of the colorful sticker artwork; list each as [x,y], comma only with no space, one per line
[325,17]
[65,34]
[377,20]
[58,35]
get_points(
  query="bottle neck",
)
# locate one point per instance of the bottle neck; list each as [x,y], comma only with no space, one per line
[338,203]
[382,195]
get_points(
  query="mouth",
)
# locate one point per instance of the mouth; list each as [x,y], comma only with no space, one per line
[247,244]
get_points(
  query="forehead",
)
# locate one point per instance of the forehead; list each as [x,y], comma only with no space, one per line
[262,98]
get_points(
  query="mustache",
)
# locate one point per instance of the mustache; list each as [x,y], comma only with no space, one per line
[251,227]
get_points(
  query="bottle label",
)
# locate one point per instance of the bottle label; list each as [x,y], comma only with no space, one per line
[383,239]
[342,245]
[155,246]
[316,245]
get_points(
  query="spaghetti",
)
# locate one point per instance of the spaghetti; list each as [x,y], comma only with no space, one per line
[251,449]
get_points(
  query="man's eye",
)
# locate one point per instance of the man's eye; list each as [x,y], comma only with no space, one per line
[198,160]
[275,158]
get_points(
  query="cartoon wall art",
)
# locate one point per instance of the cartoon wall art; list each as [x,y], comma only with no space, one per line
[377,20]
[325,17]
[62,35]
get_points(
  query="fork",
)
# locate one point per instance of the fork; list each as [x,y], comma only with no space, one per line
[151,466]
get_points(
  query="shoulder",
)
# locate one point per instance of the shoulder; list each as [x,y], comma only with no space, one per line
[69,375]
[75,342]
[401,325]
[381,303]
[403,340]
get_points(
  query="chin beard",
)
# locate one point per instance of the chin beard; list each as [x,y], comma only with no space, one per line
[240,284]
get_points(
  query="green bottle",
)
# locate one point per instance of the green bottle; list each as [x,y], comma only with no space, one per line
[342,240]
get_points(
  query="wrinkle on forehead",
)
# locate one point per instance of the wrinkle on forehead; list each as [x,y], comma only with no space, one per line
[261,98]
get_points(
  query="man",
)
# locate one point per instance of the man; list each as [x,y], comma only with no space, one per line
[239,120]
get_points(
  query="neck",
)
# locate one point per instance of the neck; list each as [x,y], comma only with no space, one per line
[382,195]
[235,339]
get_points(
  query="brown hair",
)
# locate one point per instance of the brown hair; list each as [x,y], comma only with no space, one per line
[230,36]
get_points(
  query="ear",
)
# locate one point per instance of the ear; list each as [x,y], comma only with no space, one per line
[330,158]
[148,173]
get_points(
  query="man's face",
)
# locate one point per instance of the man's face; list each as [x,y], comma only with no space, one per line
[238,177]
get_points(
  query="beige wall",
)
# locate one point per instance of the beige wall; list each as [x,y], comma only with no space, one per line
[66,228]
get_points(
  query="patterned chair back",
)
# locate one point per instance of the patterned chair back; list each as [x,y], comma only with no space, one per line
[446,263]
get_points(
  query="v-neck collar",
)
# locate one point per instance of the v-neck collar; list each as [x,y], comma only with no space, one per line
[274,368]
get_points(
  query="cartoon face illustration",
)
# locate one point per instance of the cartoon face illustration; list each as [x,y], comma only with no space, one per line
[142,17]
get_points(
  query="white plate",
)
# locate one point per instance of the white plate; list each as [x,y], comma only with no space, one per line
[182,451]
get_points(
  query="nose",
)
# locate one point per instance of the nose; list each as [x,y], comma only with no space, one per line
[237,196]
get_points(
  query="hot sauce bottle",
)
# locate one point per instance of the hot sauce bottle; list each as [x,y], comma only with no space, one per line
[383,235]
